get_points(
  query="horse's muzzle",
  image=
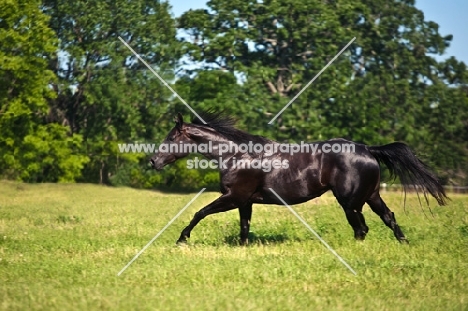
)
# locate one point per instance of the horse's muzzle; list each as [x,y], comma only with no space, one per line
[153,164]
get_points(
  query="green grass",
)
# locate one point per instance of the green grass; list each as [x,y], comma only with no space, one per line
[61,247]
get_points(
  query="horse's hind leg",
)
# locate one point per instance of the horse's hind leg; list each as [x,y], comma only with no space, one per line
[357,221]
[380,208]
[352,207]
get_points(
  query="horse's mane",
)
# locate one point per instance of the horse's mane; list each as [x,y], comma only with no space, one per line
[224,125]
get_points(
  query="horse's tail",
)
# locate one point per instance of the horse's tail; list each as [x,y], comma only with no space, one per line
[402,162]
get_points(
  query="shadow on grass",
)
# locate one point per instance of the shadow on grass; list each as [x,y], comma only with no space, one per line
[261,239]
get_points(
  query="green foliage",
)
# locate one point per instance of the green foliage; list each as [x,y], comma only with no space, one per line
[31,147]
[103,91]
[70,90]
[386,87]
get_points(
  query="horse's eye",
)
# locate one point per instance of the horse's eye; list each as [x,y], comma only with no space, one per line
[171,138]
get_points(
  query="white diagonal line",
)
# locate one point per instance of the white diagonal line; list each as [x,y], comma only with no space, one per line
[315,233]
[160,232]
[161,79]
[311,81]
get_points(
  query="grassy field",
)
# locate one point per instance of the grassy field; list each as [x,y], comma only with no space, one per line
[61,247]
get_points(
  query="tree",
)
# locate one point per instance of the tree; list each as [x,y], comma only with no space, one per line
[278,46]
[103,92]
[380,90]
[31,149]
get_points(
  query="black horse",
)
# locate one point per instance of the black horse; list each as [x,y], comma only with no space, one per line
[353,175]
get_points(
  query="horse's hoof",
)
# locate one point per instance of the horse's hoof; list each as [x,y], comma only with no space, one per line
[403,241]
[360,237]
[182,245]
[181,241]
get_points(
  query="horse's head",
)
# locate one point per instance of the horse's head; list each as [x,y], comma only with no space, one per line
[164,156]
[171,149]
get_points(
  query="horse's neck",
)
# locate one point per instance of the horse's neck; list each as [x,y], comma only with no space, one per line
[213,140]
[209,147]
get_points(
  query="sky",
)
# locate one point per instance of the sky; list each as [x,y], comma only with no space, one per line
[451,15]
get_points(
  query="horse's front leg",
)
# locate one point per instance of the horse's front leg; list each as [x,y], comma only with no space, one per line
[222,204]
[245,214]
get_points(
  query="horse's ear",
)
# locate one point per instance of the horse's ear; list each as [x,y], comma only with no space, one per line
[179,120]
